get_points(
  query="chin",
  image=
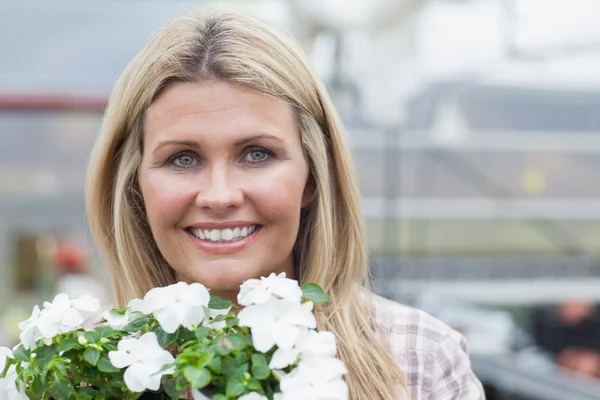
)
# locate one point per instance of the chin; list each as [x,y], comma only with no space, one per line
[224,278]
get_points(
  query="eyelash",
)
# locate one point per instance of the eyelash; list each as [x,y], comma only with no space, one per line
[248,150]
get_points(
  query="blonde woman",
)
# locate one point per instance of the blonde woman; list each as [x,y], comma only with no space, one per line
[221,158]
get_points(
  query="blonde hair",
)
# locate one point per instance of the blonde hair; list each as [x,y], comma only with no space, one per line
[330,248]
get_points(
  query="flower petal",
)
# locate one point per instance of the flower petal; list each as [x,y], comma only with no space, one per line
[283,358]
[170,318]
[87,303]
[138,305]
[159,298]
[116,320]
[257,315]
[194,316]
[285,335]
[71,319]
[29,337]
[197,395]
[262,339]
[5,352]
[321,343]
[334,390]
[137,377]
[300,315]
[196,294]
[120,359]
[252,396]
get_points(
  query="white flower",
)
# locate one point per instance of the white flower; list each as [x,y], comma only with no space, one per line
[87,304]
[259,291]
[310,343]
[197,395]
[5,352]
[315,378]
[177,305]
[30,332]
[8,386]
[277,322]
[115,319]
[144,358]
[118,320]
[211,314]
[252,396]
[61,316]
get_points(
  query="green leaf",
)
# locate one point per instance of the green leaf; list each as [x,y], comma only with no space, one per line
[234,388]
[313,292]
[241,370]
[254,385]
[38,385]
[260,372]
[62,368]
[260,368]
[104,365]
[202,332]
[219,397]
[62,389]
[219,303]
[138,323]
[232,322]
[45,354]
[232,342]
[105,331]
[184,335]
[215,365]
[164,338]
[21,355]
[242,357]
[170,387]
[92,336]
[91,356]
[67,344]
[228,367]
[198,378]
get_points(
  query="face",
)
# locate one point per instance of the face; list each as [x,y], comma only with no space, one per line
[224,179]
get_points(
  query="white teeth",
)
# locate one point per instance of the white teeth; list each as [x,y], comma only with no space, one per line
[223,235]
[226,234]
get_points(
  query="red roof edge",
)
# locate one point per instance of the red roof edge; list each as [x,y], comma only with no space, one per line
[51,102]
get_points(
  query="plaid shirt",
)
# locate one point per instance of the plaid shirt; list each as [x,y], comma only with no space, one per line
[432,355]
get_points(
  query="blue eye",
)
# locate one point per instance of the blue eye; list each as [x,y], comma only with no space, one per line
[257,156]
[184,160]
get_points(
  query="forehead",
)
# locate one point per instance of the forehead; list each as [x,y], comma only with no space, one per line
[216,107]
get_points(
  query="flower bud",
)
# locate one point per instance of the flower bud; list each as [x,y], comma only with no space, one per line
[82,340]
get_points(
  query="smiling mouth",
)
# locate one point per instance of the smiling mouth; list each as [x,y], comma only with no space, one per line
[228,235]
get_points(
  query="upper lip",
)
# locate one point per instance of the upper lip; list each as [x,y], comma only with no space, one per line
[222,225]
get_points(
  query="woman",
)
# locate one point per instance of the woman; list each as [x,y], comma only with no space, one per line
[221,158]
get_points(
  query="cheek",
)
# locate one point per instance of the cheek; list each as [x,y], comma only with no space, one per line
[166,198]
[278,196]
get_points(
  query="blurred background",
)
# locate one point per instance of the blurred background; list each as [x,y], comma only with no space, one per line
[476,130]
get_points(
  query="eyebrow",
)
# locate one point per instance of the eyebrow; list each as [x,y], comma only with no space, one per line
[194,144]
[249,139]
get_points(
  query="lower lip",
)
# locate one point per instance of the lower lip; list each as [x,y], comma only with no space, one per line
[225,247]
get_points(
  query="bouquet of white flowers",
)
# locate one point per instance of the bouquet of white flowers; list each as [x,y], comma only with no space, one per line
[179,342]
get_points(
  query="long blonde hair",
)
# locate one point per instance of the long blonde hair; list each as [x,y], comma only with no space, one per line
[330,248]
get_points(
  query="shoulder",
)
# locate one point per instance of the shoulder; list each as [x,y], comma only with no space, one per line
[433,356]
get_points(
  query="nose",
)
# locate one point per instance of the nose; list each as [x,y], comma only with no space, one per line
[219,193]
